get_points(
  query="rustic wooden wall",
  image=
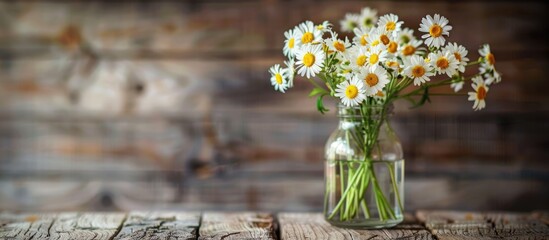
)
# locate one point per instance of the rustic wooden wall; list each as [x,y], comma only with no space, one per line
[137,105]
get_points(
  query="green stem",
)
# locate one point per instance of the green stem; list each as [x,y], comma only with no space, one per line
[473,63]
[395,189]
[341,183]
[345,194]
[444,94]
[381,196]
[317,85]
[366,182]
[351,193]
[378,205]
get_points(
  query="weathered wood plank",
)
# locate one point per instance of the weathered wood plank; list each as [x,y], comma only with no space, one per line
[313,226]
[469,225]
[542,216]
[25,226]
[160,225]
[91,226]
[239,225]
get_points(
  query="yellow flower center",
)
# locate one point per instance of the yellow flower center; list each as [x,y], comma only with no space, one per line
[442,63]
[339,46]
[380,94]
[371,79]
[278,78]
[405,39]
[373,59]
[458,56]
[435,30]
[309,59]
[363,41]
[307,37]
[291,43]
[390,26]
[408,50]
[392,48]
[351,92]
[384,39]
[361,60]
[481,93]
[491,59]
[375,43]
[418,71]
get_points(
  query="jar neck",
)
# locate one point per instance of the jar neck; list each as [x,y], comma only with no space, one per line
[359,112]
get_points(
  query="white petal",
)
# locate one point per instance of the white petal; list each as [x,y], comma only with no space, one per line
[472,96]
[481,104]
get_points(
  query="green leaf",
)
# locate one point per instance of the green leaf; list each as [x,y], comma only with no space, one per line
[320,104]
[317,91]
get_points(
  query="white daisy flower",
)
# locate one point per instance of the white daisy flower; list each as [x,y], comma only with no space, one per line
[290,71]
[278,78]
[357,57]
[376,37]
[410,48]
[382,35]
[361,36]
[479,94]
[457,86]
[345,72]
[460,53]
[380,95]
[374,80]
[393,64]
[324,27]
[350,22]
[291,42]
[488,58]
[494,77]
[392,49]
[406,35]
[389,22]
[368,17]
[310,60]
[376,55]
[391,44]
[337,45]
[351,92]
[435,27]
[307,33]
[444,62]
[417,68]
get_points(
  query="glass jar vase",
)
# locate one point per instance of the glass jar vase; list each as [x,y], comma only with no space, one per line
[364,170]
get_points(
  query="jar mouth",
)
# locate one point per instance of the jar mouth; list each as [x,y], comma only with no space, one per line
[356,111]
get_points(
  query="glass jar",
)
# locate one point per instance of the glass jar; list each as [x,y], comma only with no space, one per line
[364,170]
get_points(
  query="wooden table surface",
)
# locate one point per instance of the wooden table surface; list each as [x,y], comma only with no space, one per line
[264,225]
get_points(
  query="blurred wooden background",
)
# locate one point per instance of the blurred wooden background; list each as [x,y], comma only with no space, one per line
[167,105]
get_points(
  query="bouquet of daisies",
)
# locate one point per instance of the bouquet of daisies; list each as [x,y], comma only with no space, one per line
[382,62]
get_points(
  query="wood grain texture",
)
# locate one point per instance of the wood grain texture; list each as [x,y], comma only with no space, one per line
[313,226]
[469,225]
[90,226]
[25,226]
[160,225]
[241,225]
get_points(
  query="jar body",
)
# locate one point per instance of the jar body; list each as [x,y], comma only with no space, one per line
[364,178]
